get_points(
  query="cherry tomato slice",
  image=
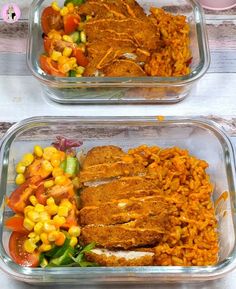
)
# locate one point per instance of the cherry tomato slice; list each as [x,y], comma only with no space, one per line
[15,223]
[18,199]
[18,253]
[71,22]
[80,57]
[51,19]
[48,66]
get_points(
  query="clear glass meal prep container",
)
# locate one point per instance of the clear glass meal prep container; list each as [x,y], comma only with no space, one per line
[204,139]
[123,89]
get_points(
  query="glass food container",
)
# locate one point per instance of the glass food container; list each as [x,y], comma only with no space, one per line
[204,139]
[123,89]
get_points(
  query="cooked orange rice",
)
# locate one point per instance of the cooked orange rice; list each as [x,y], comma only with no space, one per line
[174,55]
[192,237]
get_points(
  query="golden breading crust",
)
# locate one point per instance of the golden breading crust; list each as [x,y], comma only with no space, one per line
[123,211]
[122,188]
[106,171]
[102,154]
[142,232]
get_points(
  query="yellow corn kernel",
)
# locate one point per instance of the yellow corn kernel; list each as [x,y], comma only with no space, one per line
[45,247]
[62,60]
[33,216]
[63,211]
[60,180]
[27,159]
[60,239]
[38,228]
[20,179]
[50,201]
[48,227]
[80,70]
[74,231]
[88,17]
[32,235]
[67,51]
[28,224]
[52,236]
[44,238]
[55,163]
[28,209]
[55,55]
[67,38]
[57,172]
[70,7]
[44,216]
[73,241]
[33,200]
[52,209]
[20,168]
[55,6]
[78,75]
[76,183]
[29,246]
[48,184]
[64,11]
[48,152]
[59,221]
[66,203]
[39,208]
[53,34]
[83,37]
[82,47]
[38,151]
[47,166]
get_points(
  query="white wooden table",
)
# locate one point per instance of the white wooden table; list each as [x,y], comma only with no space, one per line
[213,97]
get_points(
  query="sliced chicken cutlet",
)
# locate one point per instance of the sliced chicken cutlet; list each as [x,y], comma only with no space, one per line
[143,31]
[112,9]
[102,9]
[123,211]
[142,232]
[123,188]
[102,154]
[119,258]
[106,171]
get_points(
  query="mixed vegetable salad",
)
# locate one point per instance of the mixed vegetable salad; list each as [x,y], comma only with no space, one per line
[45,225]
[64,40]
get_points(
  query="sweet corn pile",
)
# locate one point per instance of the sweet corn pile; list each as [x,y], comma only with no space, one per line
[45,222]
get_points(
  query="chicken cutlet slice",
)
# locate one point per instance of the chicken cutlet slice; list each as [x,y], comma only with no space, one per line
[102,9]
[143,31]
[122,211]
[112,258]
[106,171]
[102,154]
[142,232]
[123,188]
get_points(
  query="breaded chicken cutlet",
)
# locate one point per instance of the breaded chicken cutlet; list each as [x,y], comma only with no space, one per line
[124,213]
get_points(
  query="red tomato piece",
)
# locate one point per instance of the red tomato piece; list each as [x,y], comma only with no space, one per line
[49,66]
[71,22]
[18,253]
[51,19]
[41,195]
[15,223]
[18,199]
[80,57]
